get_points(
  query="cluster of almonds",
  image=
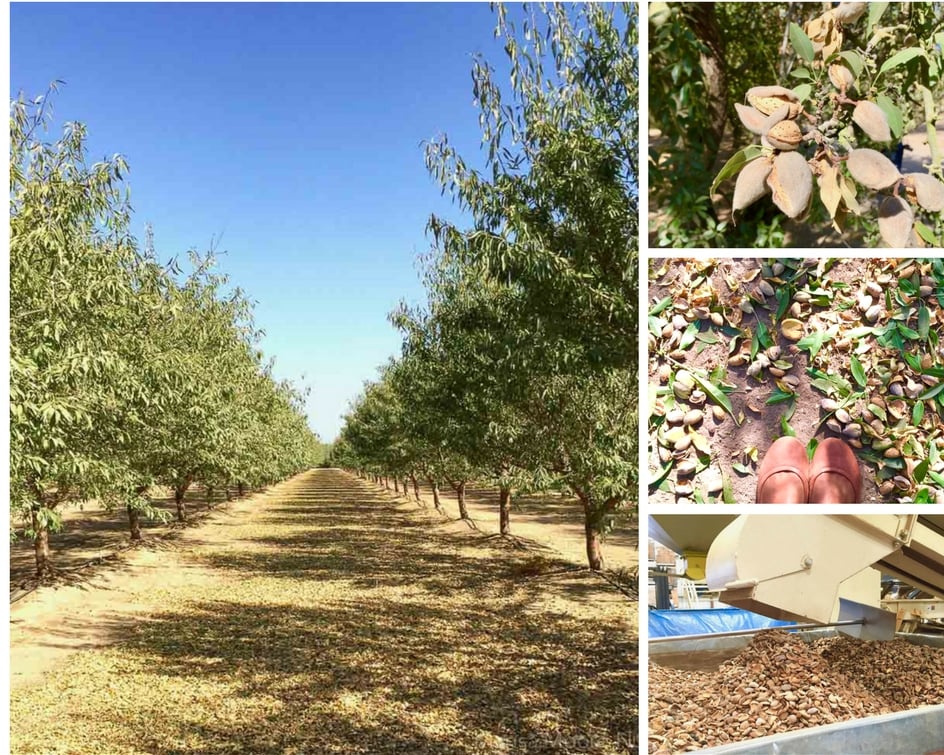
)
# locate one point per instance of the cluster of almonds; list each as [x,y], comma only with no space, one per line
[680,440]
[787,175]
[779,683]
[900,672]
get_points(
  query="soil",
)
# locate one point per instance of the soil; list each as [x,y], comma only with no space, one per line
[327,615]
[93,534]
[552,521]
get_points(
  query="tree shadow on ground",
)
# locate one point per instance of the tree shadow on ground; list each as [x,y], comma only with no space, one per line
[352,633]
[493,672]
[93,536]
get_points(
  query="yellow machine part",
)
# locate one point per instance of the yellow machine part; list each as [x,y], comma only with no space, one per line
[695,562]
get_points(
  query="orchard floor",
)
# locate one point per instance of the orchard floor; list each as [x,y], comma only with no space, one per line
[326,616]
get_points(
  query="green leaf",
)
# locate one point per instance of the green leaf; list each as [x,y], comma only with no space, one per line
[913,361]
[716,395]
[655,326]
[908,332]
[663,475]
[931,392]
[925,233]
[917,413]
[735,163]
[784,297]
[779,396]
[900,58]
[854,61]
[924,322]
[896,121]
[688,337]
[801,73]
[741,469]
[661,306]
[814,341]
[937,477]
[864,330]
[801,43]
[707,337]
[803,92]
[921,471]
[875,14]
[857,372]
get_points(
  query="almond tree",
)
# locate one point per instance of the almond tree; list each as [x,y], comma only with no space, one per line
[121,376]
[70,285]
[555,225]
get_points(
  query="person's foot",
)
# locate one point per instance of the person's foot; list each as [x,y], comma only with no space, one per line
[783,475]
[835,476]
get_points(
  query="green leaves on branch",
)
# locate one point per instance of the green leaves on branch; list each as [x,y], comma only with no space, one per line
[825,128]
[122,374]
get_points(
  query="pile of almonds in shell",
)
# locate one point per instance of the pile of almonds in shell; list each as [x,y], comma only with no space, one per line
[863,335]
[781,683]
[798,146]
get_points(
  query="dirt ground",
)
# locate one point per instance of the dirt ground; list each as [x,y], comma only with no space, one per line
[732,451]
[553,521]
[92,535]
[326,615]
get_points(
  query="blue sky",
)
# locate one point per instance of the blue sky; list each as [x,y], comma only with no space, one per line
[290,132]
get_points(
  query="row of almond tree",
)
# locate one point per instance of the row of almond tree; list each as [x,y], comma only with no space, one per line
[520,371]
[125,373]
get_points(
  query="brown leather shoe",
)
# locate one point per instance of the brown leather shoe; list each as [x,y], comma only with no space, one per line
[835,476]
[783,475]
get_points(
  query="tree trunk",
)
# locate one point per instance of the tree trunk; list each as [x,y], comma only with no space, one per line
[134,523]
[435,486]
[229,494]
[241,490]
[593,518]
[209,496]
[40,544]
[179,492]
[416,487]
[594,553]
[504,510]
[396,486]
[705,26]
[460,497]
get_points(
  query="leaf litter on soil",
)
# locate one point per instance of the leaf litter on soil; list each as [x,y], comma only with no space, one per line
[743,351]
[335,627]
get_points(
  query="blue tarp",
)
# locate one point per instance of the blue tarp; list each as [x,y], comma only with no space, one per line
[707,621]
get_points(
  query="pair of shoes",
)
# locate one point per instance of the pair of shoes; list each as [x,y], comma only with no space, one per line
[785,475]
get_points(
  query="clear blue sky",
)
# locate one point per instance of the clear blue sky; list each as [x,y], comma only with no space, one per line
[291,130]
